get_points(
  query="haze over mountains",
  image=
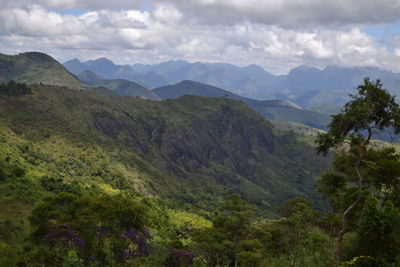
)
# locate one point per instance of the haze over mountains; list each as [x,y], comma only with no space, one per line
[324,90]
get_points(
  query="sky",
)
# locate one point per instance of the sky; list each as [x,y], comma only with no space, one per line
[275,34]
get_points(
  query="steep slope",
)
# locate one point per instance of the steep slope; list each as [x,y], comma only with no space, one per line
[34,67]
[192,150]
[270,109]
[118,86]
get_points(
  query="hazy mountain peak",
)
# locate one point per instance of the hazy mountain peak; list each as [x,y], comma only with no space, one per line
[254,67]
[73,61]
[101,60]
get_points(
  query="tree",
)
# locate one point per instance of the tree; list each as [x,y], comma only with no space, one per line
[97,229]
[14,89]
[354,174]
[229,240]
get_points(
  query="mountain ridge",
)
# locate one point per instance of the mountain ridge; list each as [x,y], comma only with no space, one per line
[118,86]
[270,109]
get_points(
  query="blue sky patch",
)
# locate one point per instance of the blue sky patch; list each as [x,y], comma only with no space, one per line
[75,12]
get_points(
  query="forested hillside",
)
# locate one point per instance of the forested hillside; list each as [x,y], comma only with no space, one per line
[184,156]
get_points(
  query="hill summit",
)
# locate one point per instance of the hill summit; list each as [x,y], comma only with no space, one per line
[35,67]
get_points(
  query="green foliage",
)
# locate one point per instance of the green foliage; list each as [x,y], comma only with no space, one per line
[101,230]
[379,231]
[238,239]
[10,169]
[371,109]
[360,261]
[73,260]
[222,243]
[14,89]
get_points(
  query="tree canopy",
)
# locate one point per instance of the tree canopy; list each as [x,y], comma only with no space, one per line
[364,179]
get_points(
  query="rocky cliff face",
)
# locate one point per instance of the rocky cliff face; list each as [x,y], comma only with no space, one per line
[224,136]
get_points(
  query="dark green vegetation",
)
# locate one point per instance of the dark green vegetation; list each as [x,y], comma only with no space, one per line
[34,67]
[270,109]
[12,88]
[118,86]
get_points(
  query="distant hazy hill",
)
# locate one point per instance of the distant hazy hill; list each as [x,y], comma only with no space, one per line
[34,67]
[328,89]
[118,86]
[108,70]
[270,109]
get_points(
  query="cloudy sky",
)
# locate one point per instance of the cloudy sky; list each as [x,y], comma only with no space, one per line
[276,34]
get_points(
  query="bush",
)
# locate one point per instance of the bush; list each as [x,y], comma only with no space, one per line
[14,89]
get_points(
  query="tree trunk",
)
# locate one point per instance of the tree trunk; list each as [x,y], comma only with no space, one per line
[345,224]
[293,261]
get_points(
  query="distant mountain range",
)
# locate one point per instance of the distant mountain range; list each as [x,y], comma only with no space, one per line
[323,90]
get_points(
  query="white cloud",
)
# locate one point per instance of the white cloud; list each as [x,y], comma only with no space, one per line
[75,4]
[290,13]
[37,21]
[172,31]
[167,14]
